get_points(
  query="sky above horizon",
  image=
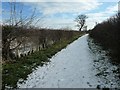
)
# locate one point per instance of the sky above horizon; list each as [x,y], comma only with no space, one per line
[62,14]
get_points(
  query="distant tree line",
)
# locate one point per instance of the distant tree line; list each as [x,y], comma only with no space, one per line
[107,33]
[15,39]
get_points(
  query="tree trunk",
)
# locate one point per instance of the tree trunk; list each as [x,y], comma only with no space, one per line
[6,51]
[80,28]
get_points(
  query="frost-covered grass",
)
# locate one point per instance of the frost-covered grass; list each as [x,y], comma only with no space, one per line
[14,71]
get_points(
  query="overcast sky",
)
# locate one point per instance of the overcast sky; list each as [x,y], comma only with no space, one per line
[62,13]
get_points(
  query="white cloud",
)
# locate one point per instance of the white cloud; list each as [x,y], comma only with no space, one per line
[66,7]
[48,0]
[49,9]
[75,7]
[101,16]
[59,0]
[112,9]
[58,22]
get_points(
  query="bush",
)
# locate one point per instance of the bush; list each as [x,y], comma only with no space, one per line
[107,33]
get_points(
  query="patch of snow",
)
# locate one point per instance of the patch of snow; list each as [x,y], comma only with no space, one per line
[72,67]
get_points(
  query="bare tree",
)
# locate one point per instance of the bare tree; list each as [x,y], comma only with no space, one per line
[81,19]
[13,28]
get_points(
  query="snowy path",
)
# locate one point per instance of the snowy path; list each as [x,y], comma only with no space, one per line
[72,67]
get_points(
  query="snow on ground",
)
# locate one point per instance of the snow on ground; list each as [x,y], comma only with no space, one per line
[72,67]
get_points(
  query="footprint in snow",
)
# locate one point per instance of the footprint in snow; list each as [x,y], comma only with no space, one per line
[89,84]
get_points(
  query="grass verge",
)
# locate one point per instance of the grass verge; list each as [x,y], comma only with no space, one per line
[13,71]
